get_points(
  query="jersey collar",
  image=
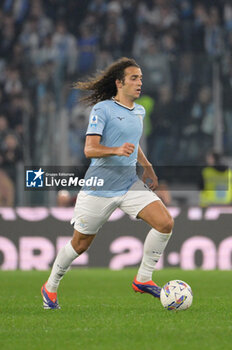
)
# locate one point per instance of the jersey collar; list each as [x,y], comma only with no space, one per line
[120,104]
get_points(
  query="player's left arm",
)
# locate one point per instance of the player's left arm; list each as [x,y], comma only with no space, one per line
[148,172]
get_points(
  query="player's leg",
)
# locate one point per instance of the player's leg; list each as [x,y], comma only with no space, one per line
[144,204]
[90,213]
[158,217]
[74,248]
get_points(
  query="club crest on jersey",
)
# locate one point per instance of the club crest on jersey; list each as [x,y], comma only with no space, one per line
[93,120]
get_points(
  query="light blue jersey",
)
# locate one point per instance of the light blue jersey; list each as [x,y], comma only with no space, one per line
[116,124]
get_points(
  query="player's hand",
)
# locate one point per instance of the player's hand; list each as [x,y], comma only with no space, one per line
[126,149]
[149,177]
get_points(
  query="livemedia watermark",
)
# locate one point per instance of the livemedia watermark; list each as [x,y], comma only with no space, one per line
[53,178]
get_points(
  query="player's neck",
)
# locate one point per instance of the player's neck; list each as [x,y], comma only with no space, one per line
[125,101]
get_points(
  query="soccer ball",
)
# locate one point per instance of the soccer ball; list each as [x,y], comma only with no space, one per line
[176,295]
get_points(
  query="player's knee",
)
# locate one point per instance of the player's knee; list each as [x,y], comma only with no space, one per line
[166,226]
[81,242]
[80,247]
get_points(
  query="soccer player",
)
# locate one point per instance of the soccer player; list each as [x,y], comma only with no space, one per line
[112,143]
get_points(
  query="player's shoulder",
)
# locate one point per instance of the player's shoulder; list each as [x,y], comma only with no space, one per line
[102,105]
[139,109]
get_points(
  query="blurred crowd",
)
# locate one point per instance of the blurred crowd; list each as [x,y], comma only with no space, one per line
[46,45]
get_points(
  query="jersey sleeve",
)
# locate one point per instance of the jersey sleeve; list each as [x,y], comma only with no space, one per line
[140,110]
[97,121]
[144,112]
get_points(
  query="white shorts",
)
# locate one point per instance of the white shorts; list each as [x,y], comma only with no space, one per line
[91,212]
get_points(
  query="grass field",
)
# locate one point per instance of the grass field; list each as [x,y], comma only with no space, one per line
[101,311]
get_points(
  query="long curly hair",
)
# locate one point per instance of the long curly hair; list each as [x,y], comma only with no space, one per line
[103,86]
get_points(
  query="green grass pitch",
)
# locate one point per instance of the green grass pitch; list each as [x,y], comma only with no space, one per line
[100,311]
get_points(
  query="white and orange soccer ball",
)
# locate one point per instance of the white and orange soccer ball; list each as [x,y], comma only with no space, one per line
[176,295]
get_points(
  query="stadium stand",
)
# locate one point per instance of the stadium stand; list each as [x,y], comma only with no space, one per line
[184,49]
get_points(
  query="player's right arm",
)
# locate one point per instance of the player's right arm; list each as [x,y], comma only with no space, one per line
[94,149]
[97,122]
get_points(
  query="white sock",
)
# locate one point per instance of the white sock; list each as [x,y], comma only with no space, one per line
[154,246]
[61,265]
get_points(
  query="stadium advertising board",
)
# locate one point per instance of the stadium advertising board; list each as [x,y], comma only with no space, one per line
[31,237]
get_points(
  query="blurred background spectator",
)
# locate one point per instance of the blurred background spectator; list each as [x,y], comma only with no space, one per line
[65,199]
[215,182]
[183,46]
